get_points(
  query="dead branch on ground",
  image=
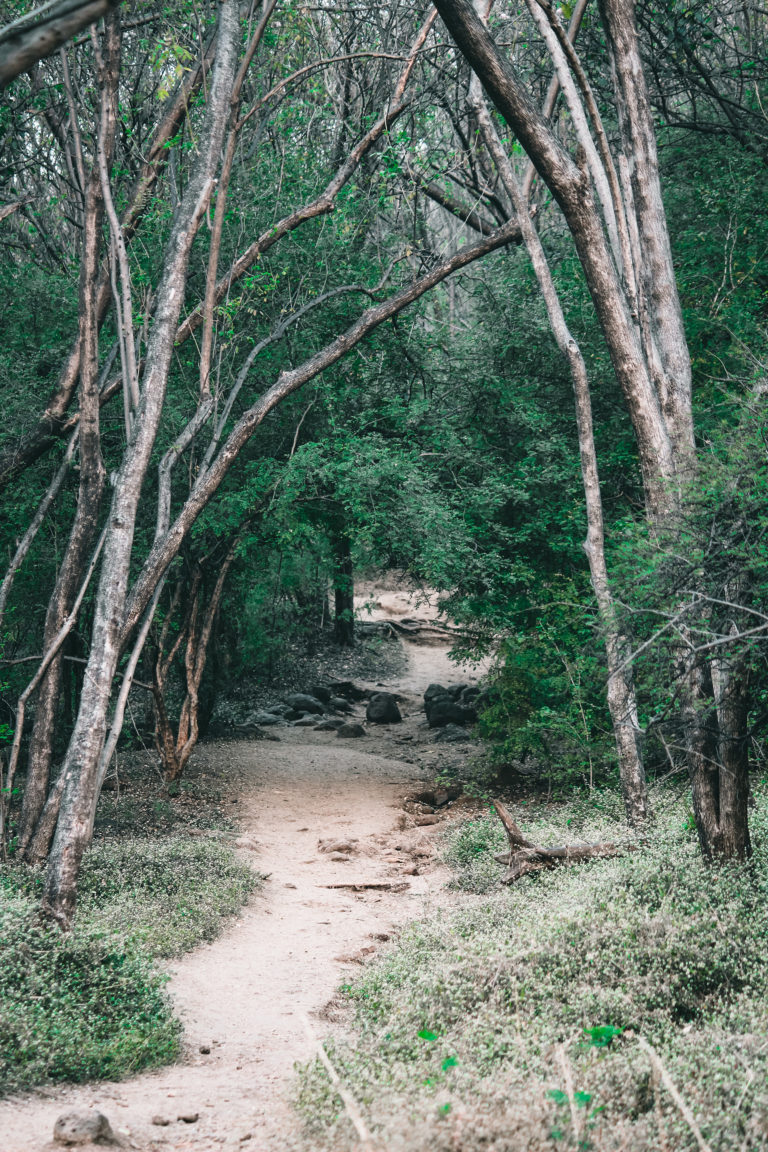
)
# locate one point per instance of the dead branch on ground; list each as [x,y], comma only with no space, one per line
[524,857]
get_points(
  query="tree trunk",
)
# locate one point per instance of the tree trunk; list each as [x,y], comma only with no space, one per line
[622,703]
[343,591]
[81,766]
[92,475]
[571,188]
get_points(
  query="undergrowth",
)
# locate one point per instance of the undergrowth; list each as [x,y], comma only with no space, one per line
[512,1023]
[91,1004]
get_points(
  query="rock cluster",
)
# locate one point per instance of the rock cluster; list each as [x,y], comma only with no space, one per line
[454,705]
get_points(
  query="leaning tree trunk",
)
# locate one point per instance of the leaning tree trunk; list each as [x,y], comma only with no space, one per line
[622,703]
[80,772]
[92,474]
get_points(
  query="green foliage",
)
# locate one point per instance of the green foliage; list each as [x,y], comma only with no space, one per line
[91,1004]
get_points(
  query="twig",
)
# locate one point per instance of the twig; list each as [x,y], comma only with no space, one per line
[348,1100]
[669,1084]
[564,1063]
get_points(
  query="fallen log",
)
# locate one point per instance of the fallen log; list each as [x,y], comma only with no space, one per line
[524,857]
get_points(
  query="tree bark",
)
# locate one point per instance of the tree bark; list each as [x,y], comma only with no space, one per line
[54,422]
[570,187]
[81,766]
[622,703]
[92,474]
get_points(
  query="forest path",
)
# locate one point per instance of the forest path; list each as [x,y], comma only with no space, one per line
[246,996]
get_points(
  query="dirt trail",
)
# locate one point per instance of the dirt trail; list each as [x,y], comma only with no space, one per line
[246,996]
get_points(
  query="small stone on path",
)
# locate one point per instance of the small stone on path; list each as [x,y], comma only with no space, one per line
[74,1128]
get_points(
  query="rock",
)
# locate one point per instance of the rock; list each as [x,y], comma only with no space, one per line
[161,1121]
[83,1128]
[321,693]
[469,695]
[455,690]
[205,1050]
[264,719]
[382,709]
[246,842]
[451,734]
[292,715]
[305,722]
[349,730]
[425,821]
[337,845]
[339,704]
[411,870]
[348,690]
[301,703]
[442,710]
[339,858]
[189,1117]
[329,725]
[434,690]
[278,709]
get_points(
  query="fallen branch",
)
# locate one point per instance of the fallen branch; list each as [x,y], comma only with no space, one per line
[381,885]
[524,857]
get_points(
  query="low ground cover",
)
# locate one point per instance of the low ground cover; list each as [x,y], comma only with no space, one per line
[521,1019]
[92,1004]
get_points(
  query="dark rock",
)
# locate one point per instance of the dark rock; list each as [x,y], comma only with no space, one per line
[339,704]
[321,693]
[455,690]
[425,821]
[265,719]
[442,710]
[451,734]
[348,730]
[189,1117]
[83,1128]
[469,696]
[278,709]
[348,690]
[302,703]
[292,714]
[305,722]
[433,691]
[329,725]
[382,709]
[161,1121]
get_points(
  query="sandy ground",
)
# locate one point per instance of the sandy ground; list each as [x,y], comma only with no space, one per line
[250,1000]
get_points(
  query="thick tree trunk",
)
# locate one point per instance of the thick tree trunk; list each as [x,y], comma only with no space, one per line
[343,592]
[715,715]
[80,771]
[570,186]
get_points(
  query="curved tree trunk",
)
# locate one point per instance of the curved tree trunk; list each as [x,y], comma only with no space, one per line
[80,771]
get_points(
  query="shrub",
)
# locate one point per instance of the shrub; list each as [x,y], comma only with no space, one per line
[91,1005]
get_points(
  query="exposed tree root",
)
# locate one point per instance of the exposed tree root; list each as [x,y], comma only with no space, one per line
[524,857]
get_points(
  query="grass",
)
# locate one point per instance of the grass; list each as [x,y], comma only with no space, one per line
[511,1023]
[92,1005]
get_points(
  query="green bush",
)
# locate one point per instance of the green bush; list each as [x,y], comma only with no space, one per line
[91,1004]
